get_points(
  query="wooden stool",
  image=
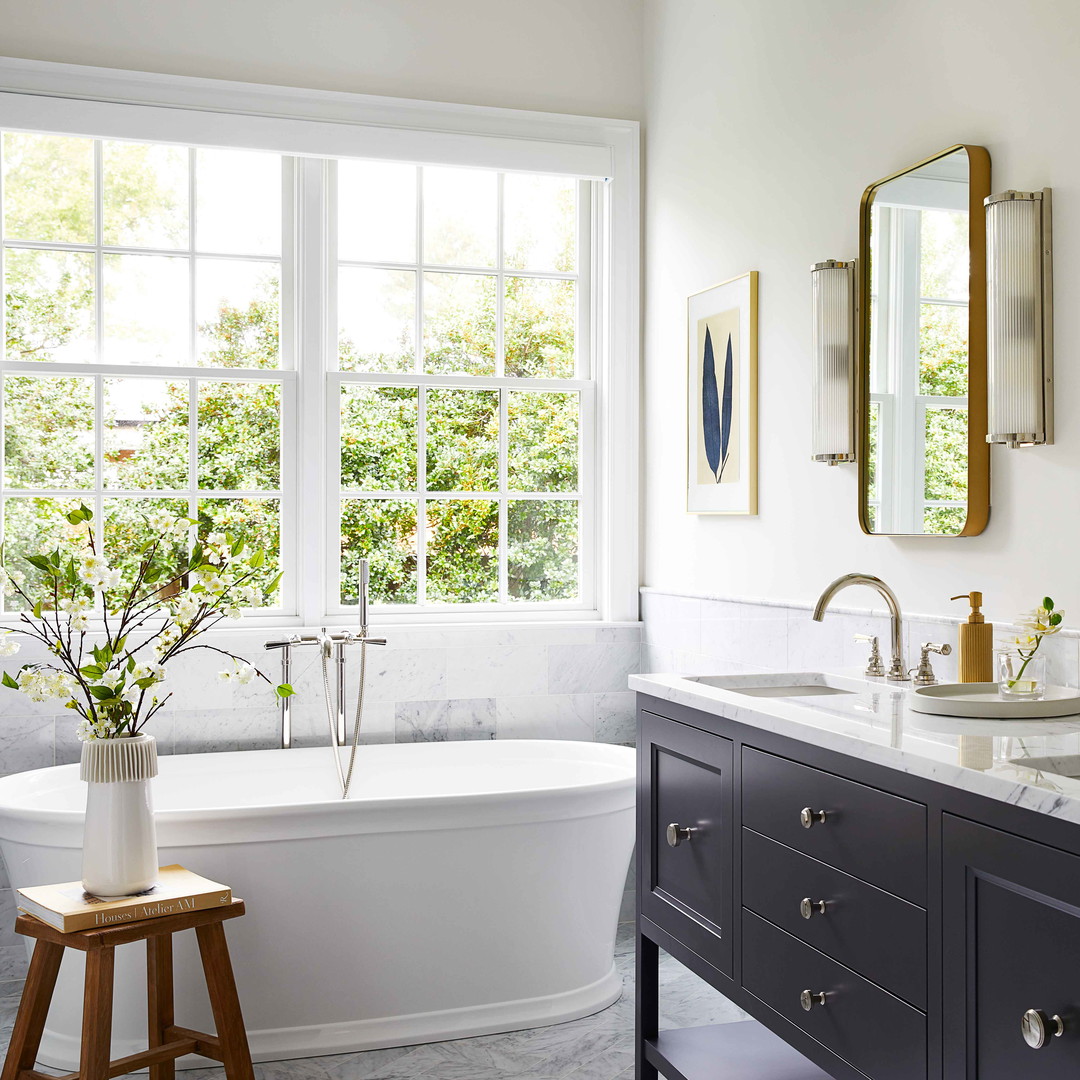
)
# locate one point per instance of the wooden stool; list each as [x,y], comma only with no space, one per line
[166,1041]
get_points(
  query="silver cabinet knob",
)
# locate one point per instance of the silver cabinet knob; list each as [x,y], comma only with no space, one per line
[808,999]
[676,834]
[1035,1027]
[807,817]
[807,907]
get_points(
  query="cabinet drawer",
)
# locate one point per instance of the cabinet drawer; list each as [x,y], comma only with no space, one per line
[874,932]
[686,882]
[869,833]
[868,1027]
[1019,903]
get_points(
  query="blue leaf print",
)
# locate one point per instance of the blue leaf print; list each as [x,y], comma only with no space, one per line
[725,412]
[710,408]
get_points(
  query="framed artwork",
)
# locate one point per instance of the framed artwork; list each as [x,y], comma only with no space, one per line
[721,451]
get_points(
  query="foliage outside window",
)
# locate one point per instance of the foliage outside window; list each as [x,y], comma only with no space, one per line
[151,321]
[927,410]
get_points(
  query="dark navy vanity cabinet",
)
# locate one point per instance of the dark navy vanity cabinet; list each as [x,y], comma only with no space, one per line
[873,924]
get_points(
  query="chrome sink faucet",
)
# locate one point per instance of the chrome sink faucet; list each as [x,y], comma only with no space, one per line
[898,668]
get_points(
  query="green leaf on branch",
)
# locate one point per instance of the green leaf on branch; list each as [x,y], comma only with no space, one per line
[1055,619]
[284,690]
[10,682]
[1048,603]
[102,693]
[257,559]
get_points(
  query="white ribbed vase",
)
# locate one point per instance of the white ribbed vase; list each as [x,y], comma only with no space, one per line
[119,837]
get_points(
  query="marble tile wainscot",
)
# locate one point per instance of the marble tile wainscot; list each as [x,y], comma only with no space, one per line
[548,681]
[697,634]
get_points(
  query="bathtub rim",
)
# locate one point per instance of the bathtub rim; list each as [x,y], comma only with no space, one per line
[62,828]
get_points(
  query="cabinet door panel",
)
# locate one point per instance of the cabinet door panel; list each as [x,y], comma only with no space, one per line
[685,886]
[876,836]
[1012,934]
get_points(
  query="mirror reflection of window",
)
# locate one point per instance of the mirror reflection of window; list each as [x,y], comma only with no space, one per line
[918,464]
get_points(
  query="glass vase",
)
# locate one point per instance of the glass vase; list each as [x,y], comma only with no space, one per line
[1021,678]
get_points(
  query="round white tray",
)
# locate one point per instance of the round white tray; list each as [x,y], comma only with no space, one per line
[982,700]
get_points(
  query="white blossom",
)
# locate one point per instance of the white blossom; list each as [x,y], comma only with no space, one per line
[9,644]
[47,684]
[149,671]
[95,571]
[185,608]
[245,674]
[250,595]
[87,731]
[9,579]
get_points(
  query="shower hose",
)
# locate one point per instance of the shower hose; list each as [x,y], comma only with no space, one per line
[344,776]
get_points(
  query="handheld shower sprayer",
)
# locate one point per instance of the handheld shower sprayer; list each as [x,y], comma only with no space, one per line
[332,645]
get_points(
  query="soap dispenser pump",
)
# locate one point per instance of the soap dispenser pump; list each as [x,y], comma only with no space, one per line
[976,661]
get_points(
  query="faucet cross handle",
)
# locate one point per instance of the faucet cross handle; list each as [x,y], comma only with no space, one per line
[924,674]
[874,666]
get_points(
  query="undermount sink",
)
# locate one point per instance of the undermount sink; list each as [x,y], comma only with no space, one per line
[1067,765]
[784,684]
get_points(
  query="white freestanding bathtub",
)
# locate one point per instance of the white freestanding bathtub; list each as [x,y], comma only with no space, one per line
[466,888]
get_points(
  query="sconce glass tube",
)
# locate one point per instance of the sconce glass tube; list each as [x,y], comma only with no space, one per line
[1019,318]
[833,434]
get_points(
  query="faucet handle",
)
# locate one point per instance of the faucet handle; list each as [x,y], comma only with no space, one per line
[924,674]
[874,666]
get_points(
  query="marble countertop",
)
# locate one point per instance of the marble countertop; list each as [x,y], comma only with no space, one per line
[1010,760]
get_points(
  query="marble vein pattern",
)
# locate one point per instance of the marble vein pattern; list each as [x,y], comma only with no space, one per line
[598,1047]
[445,721]
[591,669]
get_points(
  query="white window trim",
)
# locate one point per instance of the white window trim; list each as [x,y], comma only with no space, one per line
[77,99]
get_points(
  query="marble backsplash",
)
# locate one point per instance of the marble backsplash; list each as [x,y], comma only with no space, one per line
[697,634]
[550,681]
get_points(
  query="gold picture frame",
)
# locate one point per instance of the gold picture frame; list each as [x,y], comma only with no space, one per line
[721,398]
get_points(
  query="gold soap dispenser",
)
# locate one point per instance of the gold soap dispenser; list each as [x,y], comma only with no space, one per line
[976,661]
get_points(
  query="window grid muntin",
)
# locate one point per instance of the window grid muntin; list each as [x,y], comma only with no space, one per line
[296,211]
[504,494]
[581,384]
[192,372]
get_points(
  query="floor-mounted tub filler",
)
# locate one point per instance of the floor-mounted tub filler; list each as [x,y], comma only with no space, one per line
[464,888]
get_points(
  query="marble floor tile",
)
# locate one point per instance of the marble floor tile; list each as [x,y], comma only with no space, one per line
[597,1047]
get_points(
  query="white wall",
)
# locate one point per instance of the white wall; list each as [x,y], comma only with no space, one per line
[766,121]
[576,56]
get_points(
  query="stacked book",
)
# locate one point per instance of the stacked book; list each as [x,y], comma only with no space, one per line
[69,907]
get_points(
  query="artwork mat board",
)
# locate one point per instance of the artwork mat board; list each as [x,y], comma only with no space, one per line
[739,497]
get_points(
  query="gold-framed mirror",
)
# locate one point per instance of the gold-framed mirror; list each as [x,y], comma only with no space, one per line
[924,465]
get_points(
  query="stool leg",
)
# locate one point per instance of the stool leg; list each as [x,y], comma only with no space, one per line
[236,1057]
[33,1009]
[97,1015]
[159,1000]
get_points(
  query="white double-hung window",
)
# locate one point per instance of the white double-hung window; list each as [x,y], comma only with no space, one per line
[352,336]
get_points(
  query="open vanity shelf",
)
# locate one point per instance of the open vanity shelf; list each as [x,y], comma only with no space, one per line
[744,1050]
[872,922]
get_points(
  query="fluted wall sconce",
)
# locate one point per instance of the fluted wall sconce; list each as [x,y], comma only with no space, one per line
[834,361]
[1020,342]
